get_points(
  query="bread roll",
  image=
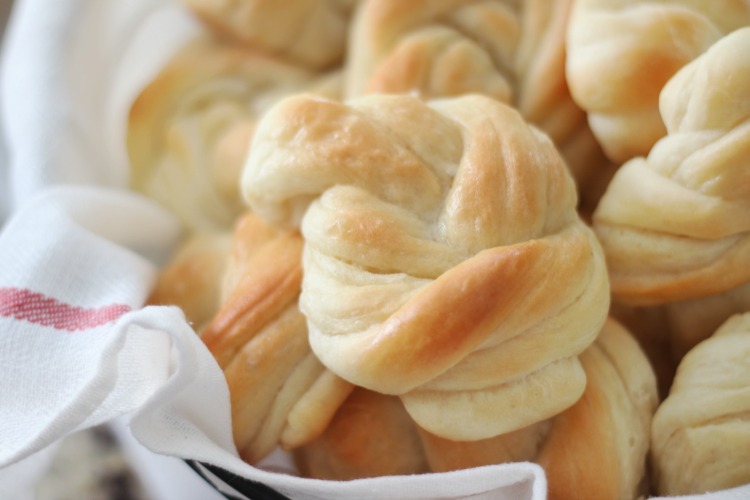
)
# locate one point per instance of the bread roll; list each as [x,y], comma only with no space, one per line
[595,449]
[621,54]
[522,445]
[598,448]
[444,259]
[192,279]
[312,33]
[508,50]
[190,128]
[371,435]
[701,433]
[676,224]
[280,393]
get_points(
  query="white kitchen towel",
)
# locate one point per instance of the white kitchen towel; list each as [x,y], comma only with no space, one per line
[80,252]
[77,349]
[71,68]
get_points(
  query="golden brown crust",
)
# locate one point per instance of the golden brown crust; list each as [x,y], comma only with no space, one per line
[620,56]
[676,225]
[510,51]
[415,210]
[192,279]
[370,436]
[281,395]
[269,284]
[258,379]
[523,445]
[598,448]
[595,449]
[701,432]
[314,410]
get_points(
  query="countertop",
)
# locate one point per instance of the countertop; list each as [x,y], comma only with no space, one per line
[90,465]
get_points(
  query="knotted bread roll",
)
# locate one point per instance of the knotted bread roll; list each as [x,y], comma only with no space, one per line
[371,435]
[621,54]
[192,279]
[701,433]
[311,33]
[189,130]
[595,449]
[675,225]
[508,50]
[444,259]
[280,393]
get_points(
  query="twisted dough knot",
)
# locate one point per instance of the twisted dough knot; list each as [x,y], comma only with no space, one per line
[281,395]
[621,54]
[444,259]
[607,430]
[702,427]
[676,225]
[508,50]
[311,33]
[189,129]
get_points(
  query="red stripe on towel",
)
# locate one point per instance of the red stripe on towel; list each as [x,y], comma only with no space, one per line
[37,308]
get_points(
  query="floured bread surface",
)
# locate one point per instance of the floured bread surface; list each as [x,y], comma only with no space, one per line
[190,129]
[701,432]
[444,259]
[512,51]
[676,224]
[621,54]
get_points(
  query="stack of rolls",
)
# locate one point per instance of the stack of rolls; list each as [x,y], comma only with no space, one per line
[429,236]
[606,430]
[189,129]
[675,225]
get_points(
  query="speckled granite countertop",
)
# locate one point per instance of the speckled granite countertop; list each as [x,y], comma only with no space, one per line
[89,465]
